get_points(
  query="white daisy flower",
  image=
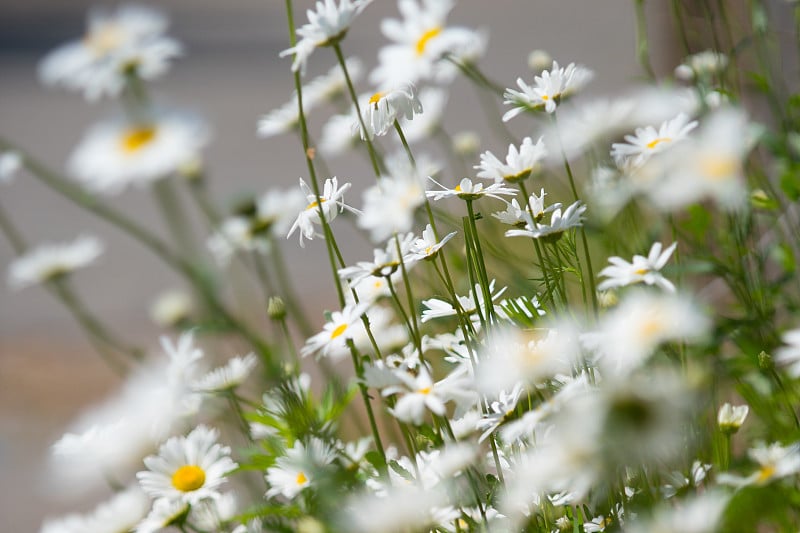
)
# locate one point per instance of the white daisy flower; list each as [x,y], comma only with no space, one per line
[788,355]
[164,513]
[467,190]
[648,141]
[115,155]
[697,514]
[120,513]
[775,462]
[731,417]
[287,117]
[10,164]
[548,90]
[710,166]
[235,234]
[188,469]
[418,394]
[640,270]
[701,65]
[117,43]
[390,204]
[213,515]
[337,134]
[227,377]
[332,340]
[385,261]
[436,308]
[520,163]
[385,107]
[427,247]
[433,102]
[420,40]
[514,215]
[50,261]
[630,333]
[295,471]
[276,209]
[327,25]
[171,308]
[559,223]
[332,205]
[498,411]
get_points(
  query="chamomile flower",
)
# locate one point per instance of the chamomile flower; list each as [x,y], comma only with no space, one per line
[332,340]
[326,26]
[520,163]
[120,513]
[385,107]
[423,125]
[467,190]
[775,462]
[436,308]
[418,43]
[385,261]
[698,514]
[572,217]
[188,469]
[171,308]
[51,261]
[630,332]
[731,417]
[114,155]
[548,89]
[418,394]
[648,141]
[117,43]
[235,234]
[702,65]
[390,204]
[227,377]
[331,202]
[164,513]
[514,215]
[295,471]
[427,247]
[640,270]
[337,133]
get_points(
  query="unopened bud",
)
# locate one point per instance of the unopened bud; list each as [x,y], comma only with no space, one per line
[276,308]
[765,361]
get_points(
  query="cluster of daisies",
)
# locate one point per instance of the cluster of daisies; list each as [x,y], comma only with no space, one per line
[498,379]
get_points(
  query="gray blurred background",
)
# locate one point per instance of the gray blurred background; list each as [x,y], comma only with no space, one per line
[231,75]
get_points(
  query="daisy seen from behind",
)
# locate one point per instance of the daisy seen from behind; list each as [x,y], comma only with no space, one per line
[327,25]
[520,163]
[51,261]
[188,469]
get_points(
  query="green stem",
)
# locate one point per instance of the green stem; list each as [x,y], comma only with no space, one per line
[642,46]
[372,155]
[176,219]
[481,265]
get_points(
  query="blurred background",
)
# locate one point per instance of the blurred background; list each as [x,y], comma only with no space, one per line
[231,74]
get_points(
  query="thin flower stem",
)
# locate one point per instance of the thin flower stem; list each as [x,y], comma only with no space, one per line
[407,148]
[536,246]
[288,289]
[407,283]
[365,397]
[585,242]
[373,157]
[472,273]
[401,311]
[642,45]
[481,265]
[290,345]
[88,202]
[233,400]
[199,194]
[174,216]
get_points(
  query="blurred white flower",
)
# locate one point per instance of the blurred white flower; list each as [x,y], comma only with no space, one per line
[788,355]
[171,308]
[326,26]
[296,470]
[50,261]
[10,164]
[114,155]
[227,377]
[122,512]
[118,43]
[332,340]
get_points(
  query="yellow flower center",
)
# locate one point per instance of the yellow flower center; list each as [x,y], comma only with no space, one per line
[426,390]
[105,38]
[338,331]
[137,138]
[301,479]
[655,142]
[314,204]
[651,327]
[458,188]
[718,167]
[766,472]
[188,478]
[375,98]
[545,97]
[641,271]
[427,36]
